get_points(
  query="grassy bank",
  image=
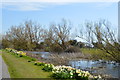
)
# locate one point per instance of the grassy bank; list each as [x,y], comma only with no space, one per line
[0,52]
[95,53]
[19,67]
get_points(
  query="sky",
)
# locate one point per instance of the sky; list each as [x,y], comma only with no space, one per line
[45,12]
[119,22]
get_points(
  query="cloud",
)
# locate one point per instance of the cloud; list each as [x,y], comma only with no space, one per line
[103,4]
[34,5]
[27,6]
[60,1]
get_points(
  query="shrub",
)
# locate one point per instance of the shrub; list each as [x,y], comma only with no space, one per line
[48,67]
[35,63]
[20,55]
[29,61]
[67,72]
[62,72]
[38,63]
[61,75]
[33,59]
[56,48]
[72,49]
[24,54]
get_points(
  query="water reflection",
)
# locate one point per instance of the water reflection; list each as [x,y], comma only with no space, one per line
[42,54]
[97,67]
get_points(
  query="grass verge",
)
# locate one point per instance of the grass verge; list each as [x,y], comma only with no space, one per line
[0,53]
[19,67]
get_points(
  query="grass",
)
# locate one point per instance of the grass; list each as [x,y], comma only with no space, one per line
[0,52]
[91,51]
[19,67]
[95,53]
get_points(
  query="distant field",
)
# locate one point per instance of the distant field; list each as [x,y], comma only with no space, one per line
[91,51]
[19,67]
[95,53]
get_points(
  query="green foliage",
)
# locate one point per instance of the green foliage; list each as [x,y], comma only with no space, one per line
[61,75]
[45,66]
[67,72]
[21,55]
[48,67]
[6,43]
[39,63]
[29,61]
[33,59]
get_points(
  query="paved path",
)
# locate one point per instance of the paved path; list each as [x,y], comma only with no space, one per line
[3,69]
[0,67]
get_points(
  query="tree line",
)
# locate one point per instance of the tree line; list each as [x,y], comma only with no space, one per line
[31,36]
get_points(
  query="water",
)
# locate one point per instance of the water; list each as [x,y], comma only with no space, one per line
[110,68]
[42,54]
[98,67]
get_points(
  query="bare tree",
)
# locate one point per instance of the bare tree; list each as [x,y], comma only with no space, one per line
[61,33]
[25,36]
[104,38]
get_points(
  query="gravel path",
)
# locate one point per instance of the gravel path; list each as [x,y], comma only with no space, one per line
[3,69]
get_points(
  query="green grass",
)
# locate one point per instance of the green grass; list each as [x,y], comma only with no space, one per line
[95,53]
[91,51]
[0,52]
[19,67]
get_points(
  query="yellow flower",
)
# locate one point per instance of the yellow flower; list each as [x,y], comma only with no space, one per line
[79,74]
[24,54]
[78,71]
[71,73]
[99,76]
[91,76]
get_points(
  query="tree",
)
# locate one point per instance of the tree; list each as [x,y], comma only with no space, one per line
[73,42]
[104,39]
[26,36]
[58,35]
[62,32]
[81,44]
